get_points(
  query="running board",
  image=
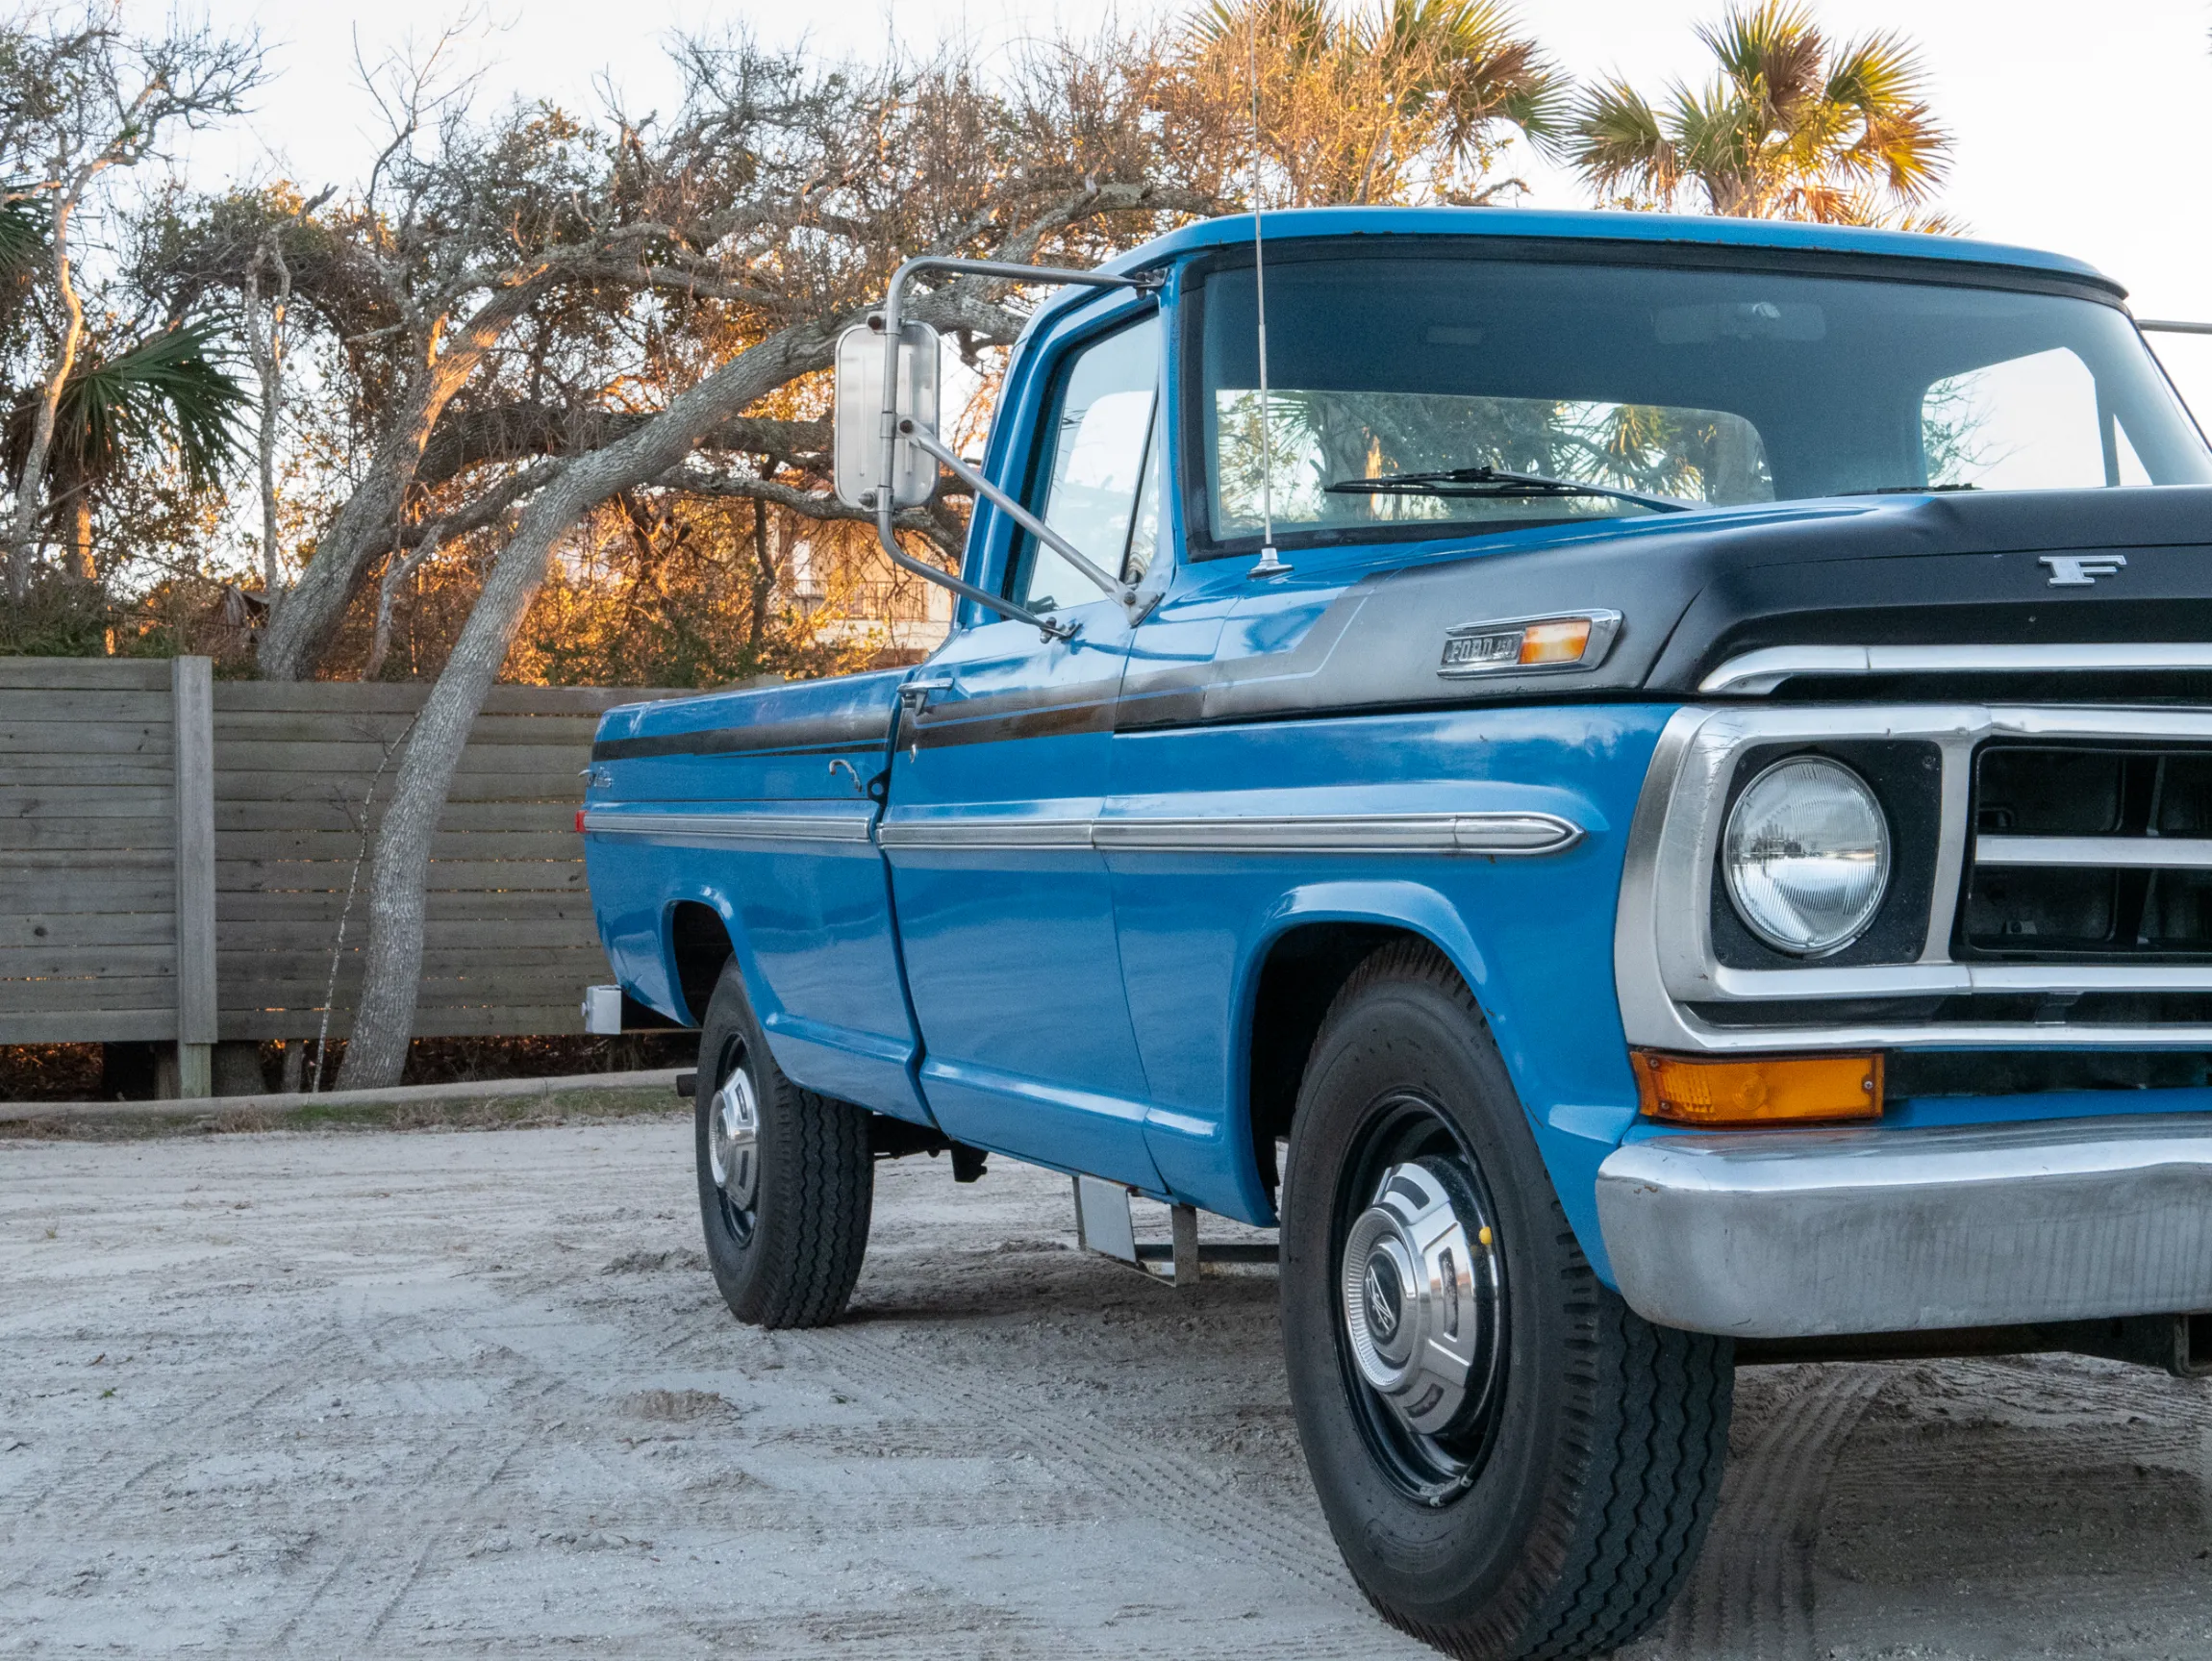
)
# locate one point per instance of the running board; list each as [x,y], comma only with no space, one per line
[1103,1224]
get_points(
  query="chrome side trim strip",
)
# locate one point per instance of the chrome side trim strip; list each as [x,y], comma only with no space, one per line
[985,833]
[1499,835]
[1763,671]
[716,829]
[2160,853]
[1808,1233]
[1494,835]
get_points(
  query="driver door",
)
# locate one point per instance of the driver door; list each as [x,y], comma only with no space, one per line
[1005,911]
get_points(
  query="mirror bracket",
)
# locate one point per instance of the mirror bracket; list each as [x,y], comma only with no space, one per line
[893,426]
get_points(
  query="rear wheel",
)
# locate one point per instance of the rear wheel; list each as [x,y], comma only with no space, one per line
[1513,1463]
[785,1178]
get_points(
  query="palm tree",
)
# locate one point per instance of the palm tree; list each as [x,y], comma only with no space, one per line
[165,391]
[1790,128]
[1404,100]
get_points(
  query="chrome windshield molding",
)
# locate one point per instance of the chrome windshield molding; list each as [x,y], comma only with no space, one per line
[1812,1233]
[1494,835]
[1041,834]
[1498,835]
[1762,671]
[1664,966]
[718,829]
[2157,853]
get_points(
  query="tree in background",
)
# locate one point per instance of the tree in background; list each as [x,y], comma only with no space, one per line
[1063,156]
[81,96]
[1792,127]
[162,399]
[1407,101]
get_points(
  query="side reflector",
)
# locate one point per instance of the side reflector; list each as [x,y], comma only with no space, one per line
[1562,641]
[1768,1091]
[579,821]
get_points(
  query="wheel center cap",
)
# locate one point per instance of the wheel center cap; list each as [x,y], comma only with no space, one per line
[1385,1293]
[1418,1295]
[733,1140]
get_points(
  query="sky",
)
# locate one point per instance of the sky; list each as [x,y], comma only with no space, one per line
[2079,128]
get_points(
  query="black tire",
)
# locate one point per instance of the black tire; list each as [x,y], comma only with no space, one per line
[1559,1515]
[786,1250]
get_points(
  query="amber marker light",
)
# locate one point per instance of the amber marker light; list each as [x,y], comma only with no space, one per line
[1562,640]
[1767,1090]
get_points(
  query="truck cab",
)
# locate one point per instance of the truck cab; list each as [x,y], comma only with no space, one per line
[1639,788]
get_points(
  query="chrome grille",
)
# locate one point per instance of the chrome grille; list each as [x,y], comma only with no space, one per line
[2068,905]
[2088,853]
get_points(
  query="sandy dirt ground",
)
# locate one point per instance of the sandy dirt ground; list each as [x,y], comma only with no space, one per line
[455,1393]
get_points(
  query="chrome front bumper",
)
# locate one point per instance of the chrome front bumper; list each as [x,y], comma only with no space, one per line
[1812,1233]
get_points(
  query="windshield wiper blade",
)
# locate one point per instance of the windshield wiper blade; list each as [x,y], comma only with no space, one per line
[1495,481]
[1906,490]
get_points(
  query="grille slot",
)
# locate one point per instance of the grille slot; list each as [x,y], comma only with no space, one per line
[2088,853]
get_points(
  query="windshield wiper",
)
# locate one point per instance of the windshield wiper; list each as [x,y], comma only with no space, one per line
[1497,484]
[1906,490]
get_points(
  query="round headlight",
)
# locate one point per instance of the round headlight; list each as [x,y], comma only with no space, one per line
[1807,856]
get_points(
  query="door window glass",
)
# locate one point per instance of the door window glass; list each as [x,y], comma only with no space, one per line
[1103,460]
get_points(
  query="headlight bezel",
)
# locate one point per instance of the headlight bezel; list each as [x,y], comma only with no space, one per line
[1805,946]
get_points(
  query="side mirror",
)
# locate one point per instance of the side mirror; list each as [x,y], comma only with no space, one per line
[861,406]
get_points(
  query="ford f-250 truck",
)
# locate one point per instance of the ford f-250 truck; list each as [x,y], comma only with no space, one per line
[1642,788]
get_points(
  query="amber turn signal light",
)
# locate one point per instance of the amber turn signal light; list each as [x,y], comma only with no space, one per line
[1560,641]
[1769,1090]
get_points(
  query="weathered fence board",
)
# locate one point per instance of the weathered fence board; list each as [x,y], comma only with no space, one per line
[72,929]
[102,872]
[91,674]
[89,833]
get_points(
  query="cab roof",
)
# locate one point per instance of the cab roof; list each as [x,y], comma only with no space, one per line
[1679,229]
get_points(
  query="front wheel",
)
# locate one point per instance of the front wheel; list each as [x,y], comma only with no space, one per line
[1513,1463]
[785,1177]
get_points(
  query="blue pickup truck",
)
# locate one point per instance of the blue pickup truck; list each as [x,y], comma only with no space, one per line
[1641,788]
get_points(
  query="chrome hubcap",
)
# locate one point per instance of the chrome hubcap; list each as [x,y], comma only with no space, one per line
[1419,1299]
[733,1141]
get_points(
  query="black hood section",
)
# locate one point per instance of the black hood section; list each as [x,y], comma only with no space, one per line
[1698,589]
[1955,569]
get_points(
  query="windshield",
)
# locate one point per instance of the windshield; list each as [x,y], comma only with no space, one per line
[1713,386]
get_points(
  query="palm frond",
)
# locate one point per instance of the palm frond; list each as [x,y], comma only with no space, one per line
[1619,141]
[169,387]
[22,237]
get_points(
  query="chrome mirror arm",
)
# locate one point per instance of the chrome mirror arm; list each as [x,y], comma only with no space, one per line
[894,322]
[929,445]
[961,586]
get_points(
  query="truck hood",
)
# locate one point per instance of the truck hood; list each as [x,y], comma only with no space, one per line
[1696,590]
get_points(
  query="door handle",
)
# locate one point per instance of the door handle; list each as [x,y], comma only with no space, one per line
[914,695]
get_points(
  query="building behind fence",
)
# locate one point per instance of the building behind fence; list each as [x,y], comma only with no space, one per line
[178,856]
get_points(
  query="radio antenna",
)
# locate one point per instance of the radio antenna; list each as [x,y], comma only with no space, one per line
[1269,564]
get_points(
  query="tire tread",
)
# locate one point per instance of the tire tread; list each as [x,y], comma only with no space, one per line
[817,1196]
[1650,1406]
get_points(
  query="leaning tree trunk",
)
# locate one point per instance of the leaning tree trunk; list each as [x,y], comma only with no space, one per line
[31,480]
[301,630]
[383,1023]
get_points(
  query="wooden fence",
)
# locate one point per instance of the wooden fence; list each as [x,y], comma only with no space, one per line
[178,856]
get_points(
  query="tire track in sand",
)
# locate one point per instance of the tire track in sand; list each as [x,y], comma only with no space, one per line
[1750,1597]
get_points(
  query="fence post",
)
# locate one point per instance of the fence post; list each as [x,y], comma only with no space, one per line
[193,701]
